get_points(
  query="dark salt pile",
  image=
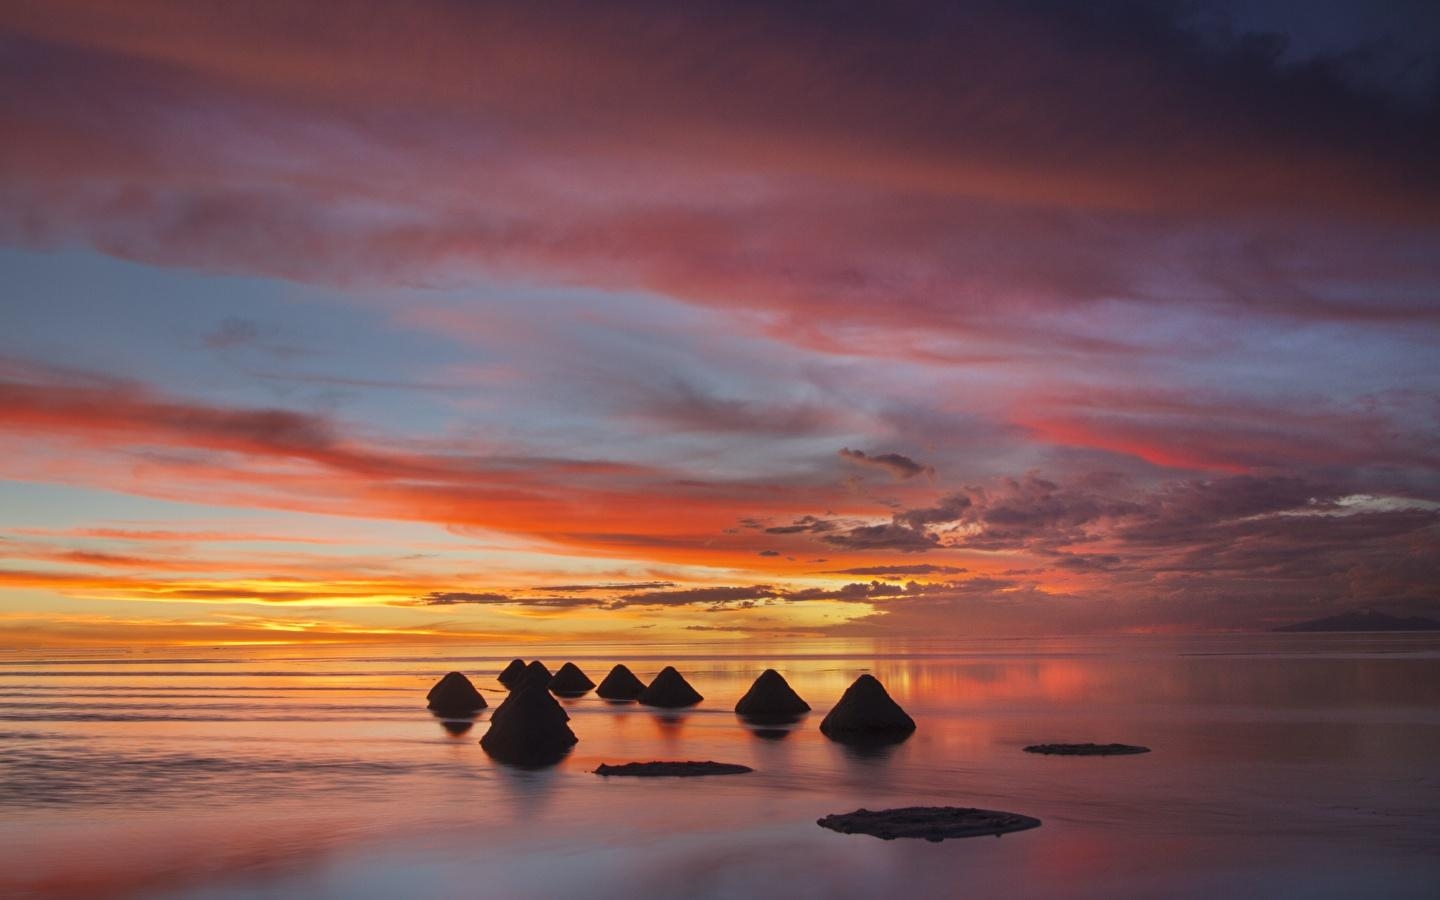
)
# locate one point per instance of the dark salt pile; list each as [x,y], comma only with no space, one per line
[535,673]
[672,769]
[505,705]
[620,684]
[669,689]
[866,712]
[455,695]
[771,698]
[570,681]
[532,731]
[1086,749]
[511,672]
[933,823]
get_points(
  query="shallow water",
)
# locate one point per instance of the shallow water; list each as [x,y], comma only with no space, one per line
[1294,765]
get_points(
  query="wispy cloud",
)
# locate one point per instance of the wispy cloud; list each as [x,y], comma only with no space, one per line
[899,467]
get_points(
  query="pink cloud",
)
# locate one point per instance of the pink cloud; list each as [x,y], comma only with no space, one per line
[965,185]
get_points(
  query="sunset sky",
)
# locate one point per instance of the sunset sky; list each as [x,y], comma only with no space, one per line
[451,320]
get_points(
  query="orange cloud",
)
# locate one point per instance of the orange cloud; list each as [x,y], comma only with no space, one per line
[288,460]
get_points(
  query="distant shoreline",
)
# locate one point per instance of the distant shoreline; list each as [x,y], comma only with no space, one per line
[1361,622]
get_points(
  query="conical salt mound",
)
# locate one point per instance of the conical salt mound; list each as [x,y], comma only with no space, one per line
[570,681]
[620,684]
[455,694]
[508,703]
[866,711]
[669,689]
[532,732]
[535,672]
[511,672]
[771,697]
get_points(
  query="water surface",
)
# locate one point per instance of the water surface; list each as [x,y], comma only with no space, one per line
[1296,765]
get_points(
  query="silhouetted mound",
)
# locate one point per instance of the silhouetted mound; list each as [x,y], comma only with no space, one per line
[508,703]
[535,673]
[771,698]
[1365,620]
[669,689]
[1086,749]
[457,727]
[511,672]
[570,681]
[533,730]
[933,823]
[454,694]
[620,684]
[672,769]
[866,712]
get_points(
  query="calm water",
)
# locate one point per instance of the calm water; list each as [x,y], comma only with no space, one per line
[1295,765]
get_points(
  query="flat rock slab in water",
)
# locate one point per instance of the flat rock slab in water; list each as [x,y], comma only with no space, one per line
[933,823]
[677,769]
[1086,749]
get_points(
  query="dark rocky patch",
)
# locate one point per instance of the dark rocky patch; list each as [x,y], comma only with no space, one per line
[771,699]
[867,713]
[570,681]
[670,690]
[511,672]
[1086,749]
[672,769]
[455,695]
[933,823]
[620,684]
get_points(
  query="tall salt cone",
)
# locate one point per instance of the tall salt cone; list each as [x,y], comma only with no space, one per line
[670,690]
[866,712]
[620,684]
[533,730]
[455,695]
[772,699]
[511,672]
[509,702]
[535,672]
[570,681]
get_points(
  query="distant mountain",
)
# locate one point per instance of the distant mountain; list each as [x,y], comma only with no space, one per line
[1364,620]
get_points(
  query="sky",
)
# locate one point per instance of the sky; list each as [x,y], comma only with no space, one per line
[460,321]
